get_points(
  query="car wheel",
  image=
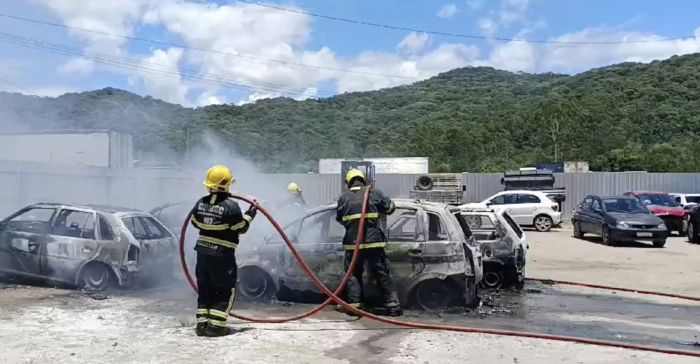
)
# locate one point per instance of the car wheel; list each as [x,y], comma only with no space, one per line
[493,278]
[578,233]
[543,223]
[255,283]
[432,294]
[692,235]
[95,277]
[607,238]
[659,243]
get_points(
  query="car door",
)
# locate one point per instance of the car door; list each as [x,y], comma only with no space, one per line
[507,202]
[406,243]
[527,206]
[324,257]
[23,238]
[585,220]
[72,243]
[597,216]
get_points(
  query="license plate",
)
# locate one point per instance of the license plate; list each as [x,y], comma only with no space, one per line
[645,235]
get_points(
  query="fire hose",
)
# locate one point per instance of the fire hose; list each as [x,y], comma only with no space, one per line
[332,296]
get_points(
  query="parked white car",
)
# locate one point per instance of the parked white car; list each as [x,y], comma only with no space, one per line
[685,199]
[527,208]
[503,246]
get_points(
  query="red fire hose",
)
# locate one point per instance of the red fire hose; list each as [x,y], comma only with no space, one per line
[414,325]
[589,285]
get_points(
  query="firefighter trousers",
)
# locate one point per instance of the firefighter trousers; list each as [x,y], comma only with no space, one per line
[378,265]
[216,283]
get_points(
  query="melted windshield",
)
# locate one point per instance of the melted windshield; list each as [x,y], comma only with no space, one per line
[623,205]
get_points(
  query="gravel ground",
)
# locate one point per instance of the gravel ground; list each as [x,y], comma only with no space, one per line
[43,325]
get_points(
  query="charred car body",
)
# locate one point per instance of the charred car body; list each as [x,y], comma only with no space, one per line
[435,260]
[89,247]
[503,246]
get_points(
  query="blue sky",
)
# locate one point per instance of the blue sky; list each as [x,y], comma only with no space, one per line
[257,52]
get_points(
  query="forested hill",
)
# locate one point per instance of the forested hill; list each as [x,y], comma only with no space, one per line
[623,117]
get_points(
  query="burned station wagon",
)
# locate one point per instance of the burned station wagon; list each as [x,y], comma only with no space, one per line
[434,258]
[89,247]
[503,246]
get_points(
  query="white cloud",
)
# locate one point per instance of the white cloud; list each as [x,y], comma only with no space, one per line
[77,67]
[514,56]
[165,86]
[579,57]
[447,11]
[206,98]
[414,43]
[488,26]
[475,5]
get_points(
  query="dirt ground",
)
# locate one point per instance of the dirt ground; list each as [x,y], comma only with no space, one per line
[42,325]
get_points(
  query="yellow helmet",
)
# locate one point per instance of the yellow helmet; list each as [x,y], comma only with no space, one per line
[354,173]
[293,188]
[219,178]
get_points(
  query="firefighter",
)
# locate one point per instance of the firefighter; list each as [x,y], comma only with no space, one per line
[372,245]
[220,222]
[296,199]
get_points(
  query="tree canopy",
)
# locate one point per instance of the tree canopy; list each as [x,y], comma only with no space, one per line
[625,117]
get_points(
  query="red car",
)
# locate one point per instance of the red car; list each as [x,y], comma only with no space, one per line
[664,206]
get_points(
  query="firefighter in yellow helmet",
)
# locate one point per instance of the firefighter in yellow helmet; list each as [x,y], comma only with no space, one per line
[220,222]
[372,245]
[296,199]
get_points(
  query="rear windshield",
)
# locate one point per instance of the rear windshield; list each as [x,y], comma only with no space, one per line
[145,228]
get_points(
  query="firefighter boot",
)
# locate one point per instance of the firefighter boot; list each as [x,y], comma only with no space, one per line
[391,306]
[342,309]
[201,328]
[218,331]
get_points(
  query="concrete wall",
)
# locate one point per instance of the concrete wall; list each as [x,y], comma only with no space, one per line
[22,183]
[413,165]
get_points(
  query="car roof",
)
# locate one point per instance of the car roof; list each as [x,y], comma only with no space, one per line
[400,202]
[647,193]
[99,208]
[614,196]
[533,192]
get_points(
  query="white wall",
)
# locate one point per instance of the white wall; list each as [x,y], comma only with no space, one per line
[412,165]
[77,149]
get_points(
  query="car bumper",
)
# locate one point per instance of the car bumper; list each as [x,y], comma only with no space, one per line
[556,218]
[673,223]
[637,234]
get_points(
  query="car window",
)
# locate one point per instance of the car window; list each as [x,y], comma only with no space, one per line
[74,224]
[135,227]
[402,225]
[587,204]
[479,221]
[154,229]
[463,224]
[527,198]
[35,220]
[105,230]
[693,199]
[657,199]
[312,228]
[595,205]
[506,199]
[436,228]
[514,225]
[678,199]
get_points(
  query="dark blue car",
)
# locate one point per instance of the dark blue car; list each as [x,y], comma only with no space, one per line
[618,219]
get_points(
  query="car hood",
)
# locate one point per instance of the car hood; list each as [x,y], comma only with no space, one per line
[638,218]
[665,210]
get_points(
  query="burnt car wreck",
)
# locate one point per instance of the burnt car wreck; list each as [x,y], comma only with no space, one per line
[503,246]
[435,260]
[90,247]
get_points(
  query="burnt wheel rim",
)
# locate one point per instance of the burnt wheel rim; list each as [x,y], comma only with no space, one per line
[95,278]
[254,286]
[432,295]
[543,223]
[492,279]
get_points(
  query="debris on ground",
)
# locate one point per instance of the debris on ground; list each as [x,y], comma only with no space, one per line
[96,295]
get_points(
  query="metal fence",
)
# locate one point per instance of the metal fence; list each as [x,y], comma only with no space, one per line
[25,183]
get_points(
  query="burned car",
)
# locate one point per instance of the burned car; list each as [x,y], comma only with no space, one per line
[435,260]
[503,246]
[89,247]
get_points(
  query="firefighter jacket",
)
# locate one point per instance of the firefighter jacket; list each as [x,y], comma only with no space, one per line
[220,222]
[350,209]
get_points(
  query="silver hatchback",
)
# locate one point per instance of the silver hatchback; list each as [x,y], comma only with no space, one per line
[90,247]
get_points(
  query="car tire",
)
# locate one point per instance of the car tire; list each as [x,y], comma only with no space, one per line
[607,238]
[659,243]
[493,279]
[578,233]
[255,284]
[95,277]
[543,223]
[432,294]
[692,234]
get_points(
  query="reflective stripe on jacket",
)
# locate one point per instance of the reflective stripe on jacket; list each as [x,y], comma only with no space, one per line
[219,221]
[349,211]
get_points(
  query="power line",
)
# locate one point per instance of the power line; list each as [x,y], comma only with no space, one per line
[14,85]
[457,35]
[206,50]
[138,65]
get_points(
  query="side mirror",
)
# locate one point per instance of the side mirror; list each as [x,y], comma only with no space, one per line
[489,203]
